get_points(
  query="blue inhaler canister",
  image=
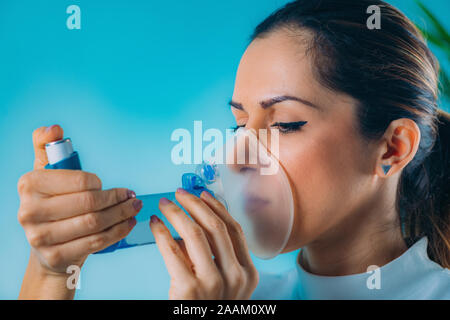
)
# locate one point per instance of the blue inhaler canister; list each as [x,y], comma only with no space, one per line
[61,155]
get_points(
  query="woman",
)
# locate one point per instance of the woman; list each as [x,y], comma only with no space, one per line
[362,142]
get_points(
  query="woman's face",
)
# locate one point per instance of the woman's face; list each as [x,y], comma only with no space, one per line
[326,159]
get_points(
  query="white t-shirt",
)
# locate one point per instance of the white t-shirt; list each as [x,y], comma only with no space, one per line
[411,276]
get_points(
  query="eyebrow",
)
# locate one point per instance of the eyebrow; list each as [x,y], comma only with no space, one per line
[274,100]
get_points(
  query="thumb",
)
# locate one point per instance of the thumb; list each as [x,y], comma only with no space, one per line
[41,136]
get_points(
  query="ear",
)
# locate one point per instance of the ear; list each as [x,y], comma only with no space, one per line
[398,146]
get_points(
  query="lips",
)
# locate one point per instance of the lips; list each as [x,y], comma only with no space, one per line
[254,203]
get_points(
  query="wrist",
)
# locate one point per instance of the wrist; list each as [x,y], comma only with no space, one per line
[42,283]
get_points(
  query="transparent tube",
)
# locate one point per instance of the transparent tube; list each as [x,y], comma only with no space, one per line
[141,233]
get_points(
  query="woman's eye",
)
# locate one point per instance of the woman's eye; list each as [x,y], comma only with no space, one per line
[286,127]
[235,128]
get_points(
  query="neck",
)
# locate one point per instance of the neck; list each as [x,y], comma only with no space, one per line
[371,236]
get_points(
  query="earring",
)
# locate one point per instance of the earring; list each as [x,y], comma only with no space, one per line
[386,168]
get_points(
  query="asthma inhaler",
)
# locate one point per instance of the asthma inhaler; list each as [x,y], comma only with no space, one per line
[61,155]
[260,200]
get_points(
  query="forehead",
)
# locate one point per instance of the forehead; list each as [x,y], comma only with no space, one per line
[278,64]
[275,64]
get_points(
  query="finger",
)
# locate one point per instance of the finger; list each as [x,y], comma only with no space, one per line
[174,258]
[196,243]
[78,249]
[182,245]
[74,204]
[57,232]
[216,229]
[234,229]
[61,181]
[41,136]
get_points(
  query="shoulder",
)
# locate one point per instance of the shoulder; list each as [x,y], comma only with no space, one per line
[431,281]
[273,286]
[434,283]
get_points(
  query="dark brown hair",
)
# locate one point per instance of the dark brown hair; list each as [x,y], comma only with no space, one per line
[392,74]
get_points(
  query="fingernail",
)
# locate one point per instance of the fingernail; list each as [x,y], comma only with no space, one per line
[181,191]
[154,219]
[48,129]
[132,222]
[131,194]
[164,201]
[207,195]
[137,204]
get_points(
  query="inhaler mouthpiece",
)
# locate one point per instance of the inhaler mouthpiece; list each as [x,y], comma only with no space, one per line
[256,191]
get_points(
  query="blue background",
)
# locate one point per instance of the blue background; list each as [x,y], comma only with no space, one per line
[135,71]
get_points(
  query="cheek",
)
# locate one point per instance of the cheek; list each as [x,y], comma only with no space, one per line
[323,172]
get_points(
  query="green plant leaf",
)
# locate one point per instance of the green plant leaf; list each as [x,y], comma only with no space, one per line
[434,40]
[441,32]
[444,84]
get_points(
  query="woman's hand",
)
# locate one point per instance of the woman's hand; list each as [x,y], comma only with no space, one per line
[66,216]
[195,273]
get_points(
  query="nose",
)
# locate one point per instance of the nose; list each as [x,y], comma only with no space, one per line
[240,153]
[268,137]
[245,153]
